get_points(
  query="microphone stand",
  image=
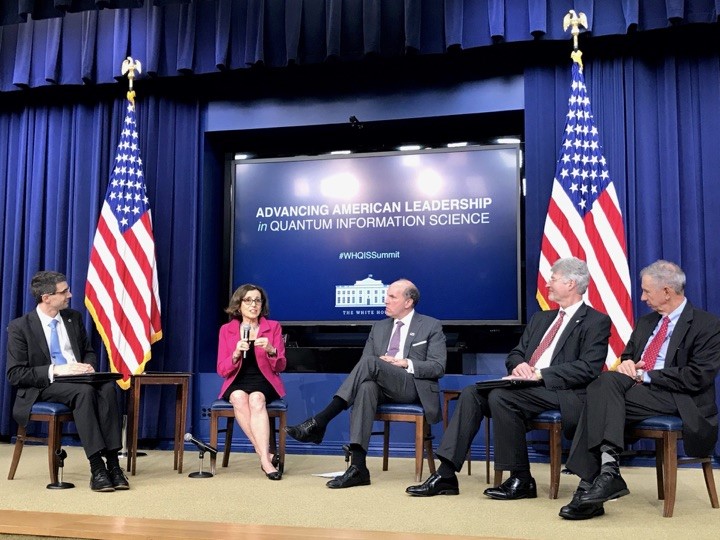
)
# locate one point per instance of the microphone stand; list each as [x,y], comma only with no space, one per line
[201,473]
[60,456]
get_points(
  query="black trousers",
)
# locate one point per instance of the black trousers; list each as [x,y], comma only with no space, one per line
[95,413]
[613,400]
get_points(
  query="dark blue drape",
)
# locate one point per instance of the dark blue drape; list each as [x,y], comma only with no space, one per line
[54,170]
[174,37]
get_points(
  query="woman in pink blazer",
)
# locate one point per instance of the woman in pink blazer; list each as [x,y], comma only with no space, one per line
[251,354]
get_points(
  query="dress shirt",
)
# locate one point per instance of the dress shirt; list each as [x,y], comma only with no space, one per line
[546,357]
[65,346]
[662,354]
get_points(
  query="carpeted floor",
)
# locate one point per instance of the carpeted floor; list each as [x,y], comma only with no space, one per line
[242,494]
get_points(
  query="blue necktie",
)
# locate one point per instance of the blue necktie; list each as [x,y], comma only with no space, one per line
[55,351]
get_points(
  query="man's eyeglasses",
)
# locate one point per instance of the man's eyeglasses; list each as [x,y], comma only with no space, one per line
[64,292]
[251,301]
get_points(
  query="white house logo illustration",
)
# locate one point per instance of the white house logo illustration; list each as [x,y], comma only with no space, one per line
[366,292]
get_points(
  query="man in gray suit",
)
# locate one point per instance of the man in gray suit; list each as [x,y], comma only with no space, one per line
[403,358]
[564,350]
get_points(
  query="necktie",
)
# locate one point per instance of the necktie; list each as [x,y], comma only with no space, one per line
[547,340]
[394,346]
[55,351]
[651,353]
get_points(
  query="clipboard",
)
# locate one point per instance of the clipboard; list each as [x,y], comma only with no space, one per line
[507,383]
[91,378]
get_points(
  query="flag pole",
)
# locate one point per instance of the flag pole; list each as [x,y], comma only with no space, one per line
[129,67]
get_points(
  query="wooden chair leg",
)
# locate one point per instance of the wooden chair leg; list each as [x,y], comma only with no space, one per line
[273,443]
[710,483]
[17,452]
[428,448]
[282,439]
[386,444]
[213,438]
[54,435]
[228,440]
[669,471]
[555,460]
[419,436]
[659,464]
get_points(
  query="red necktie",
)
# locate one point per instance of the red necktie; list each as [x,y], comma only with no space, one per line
[547,340]
[394,345]
[651,353]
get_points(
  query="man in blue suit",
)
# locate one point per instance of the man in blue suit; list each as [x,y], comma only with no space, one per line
[403,358]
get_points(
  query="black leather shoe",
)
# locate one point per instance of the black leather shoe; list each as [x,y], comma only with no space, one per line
[605,487]
[435,485]
[306,432]
[352,477]
[275,475]
[576,510]
[276,463]
[100,481]
[118,478]
[513,488]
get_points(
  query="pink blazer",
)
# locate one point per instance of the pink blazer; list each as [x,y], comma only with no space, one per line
[269,366]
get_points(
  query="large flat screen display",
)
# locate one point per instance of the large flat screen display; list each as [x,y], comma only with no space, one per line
[325,237]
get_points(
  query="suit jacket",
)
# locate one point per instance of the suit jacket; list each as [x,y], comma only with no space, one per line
[29,357]
[270,366]
[577,360]
[425,347]
[691,365]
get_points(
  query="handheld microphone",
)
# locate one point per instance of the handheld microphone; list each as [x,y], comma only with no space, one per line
[201,445]
[245,334]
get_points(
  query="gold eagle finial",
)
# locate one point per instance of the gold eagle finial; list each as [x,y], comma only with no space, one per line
[129,67]
[576,20]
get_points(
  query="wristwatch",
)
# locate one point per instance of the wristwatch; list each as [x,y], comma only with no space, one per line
[538,374]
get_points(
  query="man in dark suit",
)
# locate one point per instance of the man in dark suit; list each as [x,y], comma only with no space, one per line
[667,368]
[564,349]
[49,342]
[403,358]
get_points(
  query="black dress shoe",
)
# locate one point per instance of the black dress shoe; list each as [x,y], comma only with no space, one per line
[308,431]
[118,478]
[100,481]
[576,510]
[275,475]
[352,477]
[435,485]
[276,463]
[605,487]
[513,488]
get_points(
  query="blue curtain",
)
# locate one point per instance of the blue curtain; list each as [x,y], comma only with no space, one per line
[658,116]
[174,37]
[53,176]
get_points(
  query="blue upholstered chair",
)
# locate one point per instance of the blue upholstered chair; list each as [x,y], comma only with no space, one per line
[549,421]
[222,408]
[401,412]
[54,414]
[666,431]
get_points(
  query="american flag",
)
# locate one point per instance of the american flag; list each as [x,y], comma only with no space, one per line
[584,220]
[121,292]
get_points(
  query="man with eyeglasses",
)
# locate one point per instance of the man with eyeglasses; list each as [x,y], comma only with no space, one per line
[563,350]
[48,342]
[403,358]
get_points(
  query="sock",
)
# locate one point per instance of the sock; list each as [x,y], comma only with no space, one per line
[96,462]
[111,456]
[357,456]
[584,485]
[446,469]
[335,407]
[609,459]
[522,474]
